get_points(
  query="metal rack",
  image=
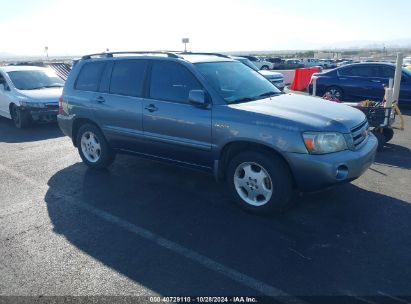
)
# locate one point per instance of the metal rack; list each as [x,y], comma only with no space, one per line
[111,54]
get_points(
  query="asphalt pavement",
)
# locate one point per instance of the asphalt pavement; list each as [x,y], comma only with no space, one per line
[143,228]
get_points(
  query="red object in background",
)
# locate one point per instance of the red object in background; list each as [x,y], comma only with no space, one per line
[302,78]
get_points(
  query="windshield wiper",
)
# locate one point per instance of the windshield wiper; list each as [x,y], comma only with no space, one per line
[267,94]
[245,99]
[240,100]
[52,86]
[44,87]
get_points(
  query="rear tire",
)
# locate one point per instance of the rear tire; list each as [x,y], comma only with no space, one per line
[265,67]
[93,147]
[259,182]
[335,92]
[21,118]
[388,134]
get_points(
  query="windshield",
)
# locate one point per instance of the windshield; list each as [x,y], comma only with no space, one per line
[236,82]
[35,79]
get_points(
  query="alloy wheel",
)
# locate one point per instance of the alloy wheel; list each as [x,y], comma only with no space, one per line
[90,146]
[253,183]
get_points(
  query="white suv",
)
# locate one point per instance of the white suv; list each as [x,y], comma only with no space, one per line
[29,93]
[259,63]
[312,62]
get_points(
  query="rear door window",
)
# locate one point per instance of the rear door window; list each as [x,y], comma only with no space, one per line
[127,77]
[171,81]
[89,76]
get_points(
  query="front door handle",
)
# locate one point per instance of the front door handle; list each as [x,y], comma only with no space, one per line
[151,108]
[100,99]
[377,81]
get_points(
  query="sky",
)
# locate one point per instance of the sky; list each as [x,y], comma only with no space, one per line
[75,27]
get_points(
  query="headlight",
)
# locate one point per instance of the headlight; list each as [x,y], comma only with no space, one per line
[32,104]
[324,142]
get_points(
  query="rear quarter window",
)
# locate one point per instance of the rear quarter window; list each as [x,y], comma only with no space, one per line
[89,76]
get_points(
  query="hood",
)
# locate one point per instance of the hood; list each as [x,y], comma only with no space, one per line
[50,95]
[306,113]
[270,74]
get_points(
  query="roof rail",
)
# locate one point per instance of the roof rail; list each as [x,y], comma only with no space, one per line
[110,54]
[203,53]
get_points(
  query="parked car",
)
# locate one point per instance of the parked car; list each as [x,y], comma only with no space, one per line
[344,62]
[312,62]
[260,63]
[275,78]
[275,60]
[29,93]
[215,114]
[328,63]
[361,81]
[289,64]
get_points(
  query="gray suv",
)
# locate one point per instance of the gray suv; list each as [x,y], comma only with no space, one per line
[215,114]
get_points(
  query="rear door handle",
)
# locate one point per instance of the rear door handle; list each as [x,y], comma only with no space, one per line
[151,108]
[100,99]
[377,81]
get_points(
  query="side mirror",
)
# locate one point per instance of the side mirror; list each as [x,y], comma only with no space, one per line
[197,98]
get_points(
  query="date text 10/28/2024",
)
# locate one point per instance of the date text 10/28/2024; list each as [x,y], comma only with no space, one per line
[203,300]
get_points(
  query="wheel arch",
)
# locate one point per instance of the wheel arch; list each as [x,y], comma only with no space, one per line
[77,123]
[233,148]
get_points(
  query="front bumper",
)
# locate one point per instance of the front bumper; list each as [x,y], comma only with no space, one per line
[315,172]
[42,114]
[280,84]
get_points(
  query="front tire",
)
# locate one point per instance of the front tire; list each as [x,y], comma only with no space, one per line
[21,118]
[265,67]
[93,147]
[259,182]
[380,138]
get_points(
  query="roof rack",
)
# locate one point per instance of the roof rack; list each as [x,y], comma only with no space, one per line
[110,54]
[203,53]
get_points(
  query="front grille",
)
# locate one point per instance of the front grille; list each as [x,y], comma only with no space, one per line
[360,133]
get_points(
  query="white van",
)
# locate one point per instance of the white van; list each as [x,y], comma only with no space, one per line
[29,93]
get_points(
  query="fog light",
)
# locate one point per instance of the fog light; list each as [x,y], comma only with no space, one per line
[342,172]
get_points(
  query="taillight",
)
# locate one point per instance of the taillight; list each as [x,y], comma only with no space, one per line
[61,105]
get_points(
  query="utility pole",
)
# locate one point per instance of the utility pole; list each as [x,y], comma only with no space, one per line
[185,41]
